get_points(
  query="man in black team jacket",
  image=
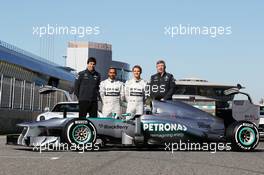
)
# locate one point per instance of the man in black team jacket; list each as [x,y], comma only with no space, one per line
[86,88]
[162,84]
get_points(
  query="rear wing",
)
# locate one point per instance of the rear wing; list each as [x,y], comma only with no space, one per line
[49,89]
[236,90]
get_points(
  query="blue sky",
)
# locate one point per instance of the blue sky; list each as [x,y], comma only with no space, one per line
[136,31]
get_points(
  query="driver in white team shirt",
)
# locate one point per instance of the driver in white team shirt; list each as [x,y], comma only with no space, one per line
[135,92]
[112,93]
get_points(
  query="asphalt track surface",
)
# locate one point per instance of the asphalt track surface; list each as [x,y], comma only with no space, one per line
[21,160]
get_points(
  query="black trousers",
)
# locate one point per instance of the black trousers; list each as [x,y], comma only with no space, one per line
[90,107]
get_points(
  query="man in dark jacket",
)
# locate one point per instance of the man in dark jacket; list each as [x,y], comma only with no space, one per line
[86,88]
[162,84]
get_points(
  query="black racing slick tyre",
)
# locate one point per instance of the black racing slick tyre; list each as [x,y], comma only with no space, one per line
[243,136]
[79,131]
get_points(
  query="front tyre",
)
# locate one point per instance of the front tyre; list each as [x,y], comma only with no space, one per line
[243,135]
[79,132]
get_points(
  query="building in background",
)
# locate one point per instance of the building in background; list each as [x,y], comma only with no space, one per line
[123,70]
[78,52]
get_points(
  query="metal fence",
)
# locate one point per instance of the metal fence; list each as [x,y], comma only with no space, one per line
[24,95]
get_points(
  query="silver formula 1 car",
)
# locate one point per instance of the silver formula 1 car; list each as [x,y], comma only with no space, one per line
[168,121]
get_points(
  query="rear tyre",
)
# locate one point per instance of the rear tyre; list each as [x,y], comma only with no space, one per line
[79,132]
[243,135]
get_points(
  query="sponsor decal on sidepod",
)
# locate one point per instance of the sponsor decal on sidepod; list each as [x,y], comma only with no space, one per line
[164,127]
